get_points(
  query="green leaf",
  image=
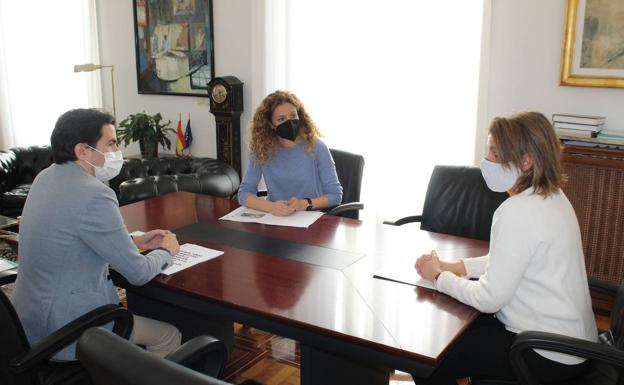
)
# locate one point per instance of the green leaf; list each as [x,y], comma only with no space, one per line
[144,127]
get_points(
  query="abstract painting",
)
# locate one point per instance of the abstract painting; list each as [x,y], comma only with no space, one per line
[174,46]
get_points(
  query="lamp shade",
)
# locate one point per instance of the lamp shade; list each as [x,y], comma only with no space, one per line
[90,67]
[86,67]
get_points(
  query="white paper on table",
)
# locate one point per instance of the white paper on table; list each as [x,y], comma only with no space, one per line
[297,219]
[404,274]
[5,264]
[190,255]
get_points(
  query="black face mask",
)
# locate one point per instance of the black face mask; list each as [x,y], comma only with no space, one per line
[288,129]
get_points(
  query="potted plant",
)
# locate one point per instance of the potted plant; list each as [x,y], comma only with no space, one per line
[148,130]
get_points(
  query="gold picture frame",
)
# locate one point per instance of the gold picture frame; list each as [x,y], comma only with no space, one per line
[588,58]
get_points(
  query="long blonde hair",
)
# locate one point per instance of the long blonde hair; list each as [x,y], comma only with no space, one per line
[530,133]
[264,141]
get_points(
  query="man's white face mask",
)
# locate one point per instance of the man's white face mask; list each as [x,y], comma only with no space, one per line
[497,177]
[113,161]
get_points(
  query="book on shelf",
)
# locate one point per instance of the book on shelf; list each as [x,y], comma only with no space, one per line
[577,126]
[576,133]
[612,134]
[594,143]
[579,119]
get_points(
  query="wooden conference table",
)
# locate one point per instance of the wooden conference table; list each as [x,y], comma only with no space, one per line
[313,285]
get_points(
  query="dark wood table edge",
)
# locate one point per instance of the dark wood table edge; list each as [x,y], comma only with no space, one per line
[305,334]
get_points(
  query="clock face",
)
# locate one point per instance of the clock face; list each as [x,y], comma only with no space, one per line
[219,93]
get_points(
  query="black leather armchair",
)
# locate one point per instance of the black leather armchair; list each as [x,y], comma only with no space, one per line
[606,366]
[23,364]
[458,202]
[18,168]
[111,360]
[349,168]
[145,178]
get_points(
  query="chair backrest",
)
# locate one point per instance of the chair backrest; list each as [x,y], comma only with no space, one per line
[349,168]
[111,360]
[13,343]
[458,202]
[617,319]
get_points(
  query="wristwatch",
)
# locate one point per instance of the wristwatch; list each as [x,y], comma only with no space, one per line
[309,206]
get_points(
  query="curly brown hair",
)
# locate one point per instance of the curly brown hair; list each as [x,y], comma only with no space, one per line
[264,141]
[530,133]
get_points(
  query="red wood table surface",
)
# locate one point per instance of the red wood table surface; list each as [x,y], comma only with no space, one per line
[343,312]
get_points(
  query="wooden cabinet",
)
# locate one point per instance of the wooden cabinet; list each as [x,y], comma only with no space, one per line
[596,190]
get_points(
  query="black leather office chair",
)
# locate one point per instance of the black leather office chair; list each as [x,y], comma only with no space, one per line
[22,364]
[606,358]
[349,168]
[111,360]
[458,202]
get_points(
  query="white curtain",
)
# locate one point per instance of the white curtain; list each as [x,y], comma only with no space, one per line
[40,42]
[396,81]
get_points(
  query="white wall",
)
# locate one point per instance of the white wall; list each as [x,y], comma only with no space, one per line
[233,47]
[524,59]
[522,53]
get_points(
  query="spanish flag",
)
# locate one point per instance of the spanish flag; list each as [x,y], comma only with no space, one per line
[180,142]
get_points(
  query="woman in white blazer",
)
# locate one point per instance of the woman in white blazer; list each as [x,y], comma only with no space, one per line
[533,277]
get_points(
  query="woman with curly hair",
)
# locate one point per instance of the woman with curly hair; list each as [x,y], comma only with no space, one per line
[297,166]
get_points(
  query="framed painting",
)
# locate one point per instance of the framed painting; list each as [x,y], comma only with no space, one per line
[593,44]
[174,46]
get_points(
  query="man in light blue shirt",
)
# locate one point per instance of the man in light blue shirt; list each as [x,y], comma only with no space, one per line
[72,231]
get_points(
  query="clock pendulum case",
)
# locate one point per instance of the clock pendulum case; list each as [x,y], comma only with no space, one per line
[226,104]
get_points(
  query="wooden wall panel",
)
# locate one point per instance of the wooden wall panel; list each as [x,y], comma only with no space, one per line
[596,190]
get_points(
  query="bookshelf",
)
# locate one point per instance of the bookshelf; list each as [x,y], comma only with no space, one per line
[596,190]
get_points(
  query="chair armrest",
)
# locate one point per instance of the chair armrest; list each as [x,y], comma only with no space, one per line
[562,344]
[69,333]
[402,221]
[204,354]
[603,287]
[352,206]
[7,276]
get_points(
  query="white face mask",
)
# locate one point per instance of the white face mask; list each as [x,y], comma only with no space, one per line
[497,177]
[113,161]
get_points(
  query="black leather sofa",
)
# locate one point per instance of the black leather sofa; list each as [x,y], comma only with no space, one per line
[18,168]
[139,178]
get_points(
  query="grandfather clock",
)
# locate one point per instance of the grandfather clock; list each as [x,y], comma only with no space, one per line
[226,104]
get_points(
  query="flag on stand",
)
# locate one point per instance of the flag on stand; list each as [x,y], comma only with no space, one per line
[180,142]
[188,135]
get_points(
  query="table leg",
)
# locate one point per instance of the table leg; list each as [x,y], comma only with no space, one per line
[319,367]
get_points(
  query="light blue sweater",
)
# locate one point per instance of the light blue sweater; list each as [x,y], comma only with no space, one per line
[294,172]
[71,231]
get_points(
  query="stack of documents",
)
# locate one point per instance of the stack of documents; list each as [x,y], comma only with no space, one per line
[296,219]
[5,264]
[190,255]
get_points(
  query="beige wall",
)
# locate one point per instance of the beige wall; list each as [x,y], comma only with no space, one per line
[232,57]
[524,59]
[522,53]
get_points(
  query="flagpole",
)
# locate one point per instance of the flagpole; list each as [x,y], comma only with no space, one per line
[189,122]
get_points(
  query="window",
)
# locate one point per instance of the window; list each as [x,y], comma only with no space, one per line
[396,81]
[40,42]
